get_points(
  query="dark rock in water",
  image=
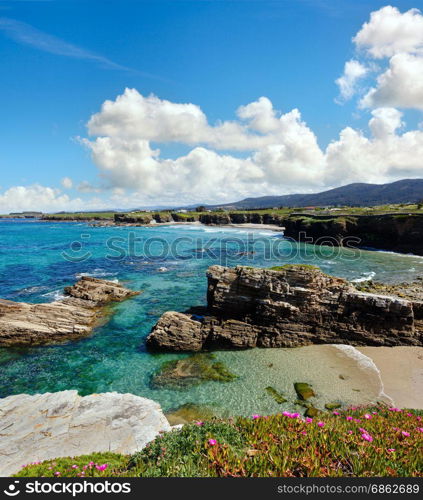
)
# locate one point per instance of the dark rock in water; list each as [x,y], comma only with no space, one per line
[303,390]
[182,373]
[311,412]
[189,412]
[287,307]
[277,396]
[70,318]
[332,406]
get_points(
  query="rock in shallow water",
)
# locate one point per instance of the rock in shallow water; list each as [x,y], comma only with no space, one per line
[286,307]
[61,424]
[70,318]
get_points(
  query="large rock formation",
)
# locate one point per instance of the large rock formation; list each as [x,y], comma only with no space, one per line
[62,424]
[72,317]
[291,306]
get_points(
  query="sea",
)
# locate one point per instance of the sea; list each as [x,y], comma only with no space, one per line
[168,264]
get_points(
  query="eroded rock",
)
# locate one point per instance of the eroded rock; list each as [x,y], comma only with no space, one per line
[62,424]
[70,318]
[286,307]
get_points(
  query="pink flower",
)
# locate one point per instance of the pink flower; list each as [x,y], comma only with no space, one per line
[74,466]
[286,414]
[212,442]
[350,432]
[420,429]
[374,412]
[309,420]
[91,464]
[362,430]
[367,437]
[395,428]
[321,424]
[409,414]
[405,433]
[57,473]
[255,417]
[394,409]
[304,433]
[199,423]
[336,412]
[294,415]
[101,467]
[367,416]
[357,420]
[391,450]
[349,418]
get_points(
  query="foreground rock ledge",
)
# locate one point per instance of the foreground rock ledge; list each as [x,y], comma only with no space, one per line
[288,307]
[62,424]
[70,318]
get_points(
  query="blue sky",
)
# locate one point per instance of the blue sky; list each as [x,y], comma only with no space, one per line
[61,60]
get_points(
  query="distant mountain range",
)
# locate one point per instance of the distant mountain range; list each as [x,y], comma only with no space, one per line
[357,194]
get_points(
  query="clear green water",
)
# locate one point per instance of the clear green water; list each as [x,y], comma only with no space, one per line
[114,358]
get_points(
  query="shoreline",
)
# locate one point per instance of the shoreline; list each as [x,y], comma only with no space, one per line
[401,372]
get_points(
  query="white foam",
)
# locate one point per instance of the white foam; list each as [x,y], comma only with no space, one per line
[55,295]
[366,364]
[367,277]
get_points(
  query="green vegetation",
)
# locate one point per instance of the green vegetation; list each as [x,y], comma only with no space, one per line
[363,442]
[294,266]
[277,396]
[80,216]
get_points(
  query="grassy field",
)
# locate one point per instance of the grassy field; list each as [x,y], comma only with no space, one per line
[358,442]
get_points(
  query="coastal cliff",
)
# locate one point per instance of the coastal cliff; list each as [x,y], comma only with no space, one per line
[72,317]
[287,307]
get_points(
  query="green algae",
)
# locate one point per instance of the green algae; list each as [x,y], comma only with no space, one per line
[303,390]
[276,395]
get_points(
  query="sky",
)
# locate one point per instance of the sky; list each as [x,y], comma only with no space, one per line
[126,104]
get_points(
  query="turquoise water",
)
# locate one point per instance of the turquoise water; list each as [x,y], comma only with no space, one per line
[168,264]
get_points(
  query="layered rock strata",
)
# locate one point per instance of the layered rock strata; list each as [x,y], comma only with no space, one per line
[72,317]
[288,307]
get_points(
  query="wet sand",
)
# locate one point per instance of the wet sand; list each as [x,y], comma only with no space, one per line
[401,370]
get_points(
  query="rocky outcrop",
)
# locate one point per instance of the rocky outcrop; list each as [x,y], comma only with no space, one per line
[287,307]
[70,318]
[135,218]
[62,424]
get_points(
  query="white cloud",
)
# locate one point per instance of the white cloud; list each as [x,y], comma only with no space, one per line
[354,71]
[390,32]
[281,152]
[401,85]
[67,182]
[396,38]
[36,197]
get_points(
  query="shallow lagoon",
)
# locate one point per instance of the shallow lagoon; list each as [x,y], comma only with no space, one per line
[168,264]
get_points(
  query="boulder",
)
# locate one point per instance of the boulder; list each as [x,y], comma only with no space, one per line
[285,307]
[70,318]
[46,426]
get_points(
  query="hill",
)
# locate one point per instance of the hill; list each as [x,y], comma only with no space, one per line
[357,194]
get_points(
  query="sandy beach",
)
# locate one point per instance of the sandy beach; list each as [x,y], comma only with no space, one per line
[401,370]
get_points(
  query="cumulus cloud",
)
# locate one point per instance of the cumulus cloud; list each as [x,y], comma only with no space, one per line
[280,152]
[395,39]
[354,71]
[391,32]
[67,182]
[36,197]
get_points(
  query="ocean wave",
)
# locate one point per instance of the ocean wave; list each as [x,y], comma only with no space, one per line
[367,277]
[54,295]
[96,273]
[366,364]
